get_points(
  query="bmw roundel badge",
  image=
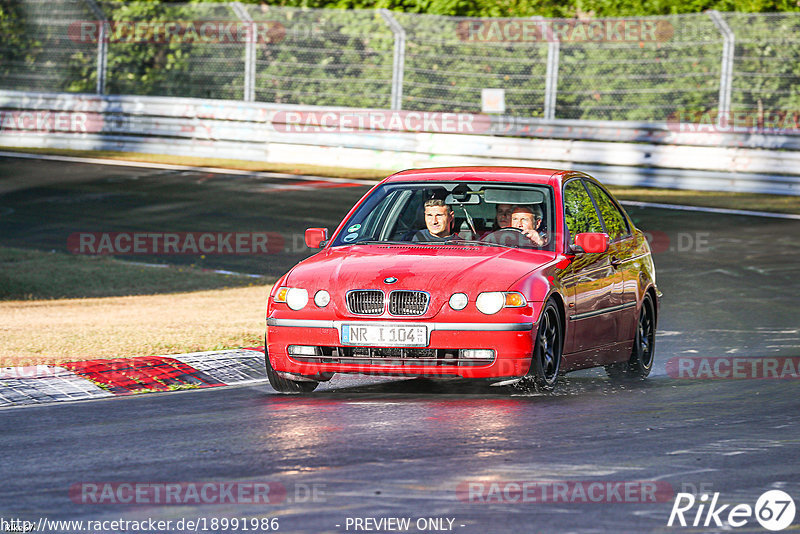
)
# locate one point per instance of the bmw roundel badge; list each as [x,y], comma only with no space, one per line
[390,280]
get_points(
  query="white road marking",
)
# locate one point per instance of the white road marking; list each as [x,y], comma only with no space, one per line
[724,211]
[216,170]
[172,167]
[167,266]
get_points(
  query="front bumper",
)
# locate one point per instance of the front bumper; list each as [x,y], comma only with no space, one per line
[512,343]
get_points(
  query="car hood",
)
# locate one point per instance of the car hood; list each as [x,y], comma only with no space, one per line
[429,268]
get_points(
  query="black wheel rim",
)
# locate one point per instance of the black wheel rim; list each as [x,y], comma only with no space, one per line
[646,334]
[549,345]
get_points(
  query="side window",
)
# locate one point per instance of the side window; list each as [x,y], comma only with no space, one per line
[409,214]
[616,225]
[579,212]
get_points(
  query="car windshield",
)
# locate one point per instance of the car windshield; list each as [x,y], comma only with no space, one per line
[471,214]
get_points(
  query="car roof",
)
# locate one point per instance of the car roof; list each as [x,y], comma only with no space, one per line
[482,174]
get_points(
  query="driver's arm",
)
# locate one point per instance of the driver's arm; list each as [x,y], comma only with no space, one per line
[534,236]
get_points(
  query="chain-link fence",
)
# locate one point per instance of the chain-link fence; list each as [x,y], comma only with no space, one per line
[643,69]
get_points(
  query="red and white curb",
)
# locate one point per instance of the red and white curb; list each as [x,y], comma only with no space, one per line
[100,378]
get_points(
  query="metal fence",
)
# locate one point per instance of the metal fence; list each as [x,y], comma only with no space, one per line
[637,69]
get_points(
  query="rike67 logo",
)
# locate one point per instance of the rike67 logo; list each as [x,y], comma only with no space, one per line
[774,510]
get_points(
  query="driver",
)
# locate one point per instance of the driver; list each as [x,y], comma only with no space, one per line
[528,219]
[438,221]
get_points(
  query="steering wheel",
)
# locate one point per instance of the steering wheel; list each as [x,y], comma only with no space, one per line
[510,237]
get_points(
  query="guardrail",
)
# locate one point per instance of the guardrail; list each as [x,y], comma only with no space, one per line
[683,156]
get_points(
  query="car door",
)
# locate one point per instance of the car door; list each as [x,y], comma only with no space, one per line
[592,279]
[622,255]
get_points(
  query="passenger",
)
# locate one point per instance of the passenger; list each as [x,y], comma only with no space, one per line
[503,216]
[438,221]
[528,219]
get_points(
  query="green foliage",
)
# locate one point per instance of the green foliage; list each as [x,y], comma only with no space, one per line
[154,65]
[780,89]
[325,57]
[614,221]
[37,50]
[17,49]
[546,8]
[13,31]
[579,213]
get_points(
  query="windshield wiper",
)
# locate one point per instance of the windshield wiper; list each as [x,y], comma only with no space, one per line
[379,242]
[484,243]
[431,243]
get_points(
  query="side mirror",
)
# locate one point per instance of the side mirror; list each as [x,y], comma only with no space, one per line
[591,243]
[315,237]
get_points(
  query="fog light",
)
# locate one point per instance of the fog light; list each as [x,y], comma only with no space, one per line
[458,301]
[322,298]
[477,354]
[301,350]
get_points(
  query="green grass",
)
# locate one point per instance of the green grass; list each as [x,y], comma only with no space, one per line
[34,275]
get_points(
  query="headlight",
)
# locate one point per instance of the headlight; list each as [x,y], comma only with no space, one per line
[458,301]
[294,297]
[491,302]
[322,298]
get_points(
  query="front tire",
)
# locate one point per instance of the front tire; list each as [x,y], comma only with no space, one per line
[546,360]
[284,385]
[644,345]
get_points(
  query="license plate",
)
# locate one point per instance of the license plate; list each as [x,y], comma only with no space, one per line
[385,335]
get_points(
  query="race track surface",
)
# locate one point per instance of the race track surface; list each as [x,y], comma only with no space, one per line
[361,450]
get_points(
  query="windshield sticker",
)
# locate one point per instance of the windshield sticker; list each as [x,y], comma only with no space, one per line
[350,237]
[354,228]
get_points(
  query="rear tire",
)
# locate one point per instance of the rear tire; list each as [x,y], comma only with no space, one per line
[644,345]
[284,385]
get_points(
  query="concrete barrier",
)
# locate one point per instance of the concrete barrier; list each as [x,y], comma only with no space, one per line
[673,156]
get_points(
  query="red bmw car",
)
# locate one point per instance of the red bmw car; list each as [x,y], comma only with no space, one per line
[515,275]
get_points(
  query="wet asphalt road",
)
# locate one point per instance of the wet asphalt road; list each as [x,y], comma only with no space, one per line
[378,448]
[39,210]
